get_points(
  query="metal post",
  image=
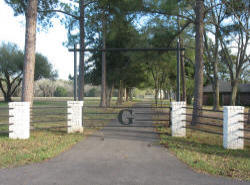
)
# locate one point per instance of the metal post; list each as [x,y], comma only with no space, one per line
[75,73]
[178,71]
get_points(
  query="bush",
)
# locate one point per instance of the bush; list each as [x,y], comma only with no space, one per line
[93,92]
[60,92]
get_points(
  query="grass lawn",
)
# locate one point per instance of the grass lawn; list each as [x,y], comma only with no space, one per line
[204,153]
[43,144]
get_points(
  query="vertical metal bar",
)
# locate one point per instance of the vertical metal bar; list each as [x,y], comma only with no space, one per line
[178,71]
[75,73]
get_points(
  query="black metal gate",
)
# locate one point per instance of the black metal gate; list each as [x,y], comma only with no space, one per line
[139,115]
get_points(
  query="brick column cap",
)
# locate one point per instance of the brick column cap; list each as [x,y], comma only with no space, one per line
[233,107]
[77,103]
[179,103]
[14,104]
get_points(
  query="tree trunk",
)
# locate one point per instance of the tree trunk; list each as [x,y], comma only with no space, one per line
[198,91]
[30,51]
[103,102]
[82,46]
[7,98]
[130,94]
[120,94]
[126,93]
[215,70]
[216,94]
[109,98]
[183,75]
[234,85]
[156,96]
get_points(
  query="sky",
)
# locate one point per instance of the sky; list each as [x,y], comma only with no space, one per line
[48,43]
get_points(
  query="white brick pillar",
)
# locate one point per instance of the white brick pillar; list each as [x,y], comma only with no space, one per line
[19,120]
[232,127]
[74,122]
[178,119]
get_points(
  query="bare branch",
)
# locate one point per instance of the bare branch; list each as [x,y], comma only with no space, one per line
[59,11]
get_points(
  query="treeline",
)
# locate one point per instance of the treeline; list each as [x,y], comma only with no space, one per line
[215,34]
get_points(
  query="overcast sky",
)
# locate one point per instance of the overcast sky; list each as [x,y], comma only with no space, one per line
[12,29]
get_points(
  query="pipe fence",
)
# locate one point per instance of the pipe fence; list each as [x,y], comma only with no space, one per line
[49,117]
[4,121]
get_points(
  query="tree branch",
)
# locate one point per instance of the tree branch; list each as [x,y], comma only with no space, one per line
[169,14]
[18,84]
[1,87]
[60,11]
[17,77]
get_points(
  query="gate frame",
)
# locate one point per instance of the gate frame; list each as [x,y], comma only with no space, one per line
[177,49]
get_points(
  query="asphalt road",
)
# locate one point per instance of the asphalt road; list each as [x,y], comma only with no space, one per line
[113,156]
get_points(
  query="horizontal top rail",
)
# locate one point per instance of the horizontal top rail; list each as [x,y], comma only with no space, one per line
[152,120]
[101,113]
[49,121]
[120,126]
[245,129]
[153,113]
[4,108]
[248,114]
[246,138]
[127,49]
[44,128]
[49,114]
[98,119]
[7,116]
[50,107]
[5,132]
[247,122]
[121,107]
[208,110]
[5,124]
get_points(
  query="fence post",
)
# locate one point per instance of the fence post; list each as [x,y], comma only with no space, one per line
[74,122]
[233,127]
[178,119]
[19,120]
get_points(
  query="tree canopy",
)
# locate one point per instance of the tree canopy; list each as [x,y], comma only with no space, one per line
[11,69]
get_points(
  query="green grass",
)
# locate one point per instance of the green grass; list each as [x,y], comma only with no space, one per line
[41,146]
[204,153]
[48,143]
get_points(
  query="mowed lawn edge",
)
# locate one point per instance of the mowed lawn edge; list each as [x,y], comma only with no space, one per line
[42,146]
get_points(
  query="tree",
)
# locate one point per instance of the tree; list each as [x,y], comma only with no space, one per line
[33,10]
[30,50]
[82,46]
[199,29]
[11,69]
[233,34]
[76,19]
[30,9]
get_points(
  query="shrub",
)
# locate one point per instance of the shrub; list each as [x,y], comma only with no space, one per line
[60,92]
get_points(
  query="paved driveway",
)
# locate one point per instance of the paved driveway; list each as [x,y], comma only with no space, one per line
[126,156]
